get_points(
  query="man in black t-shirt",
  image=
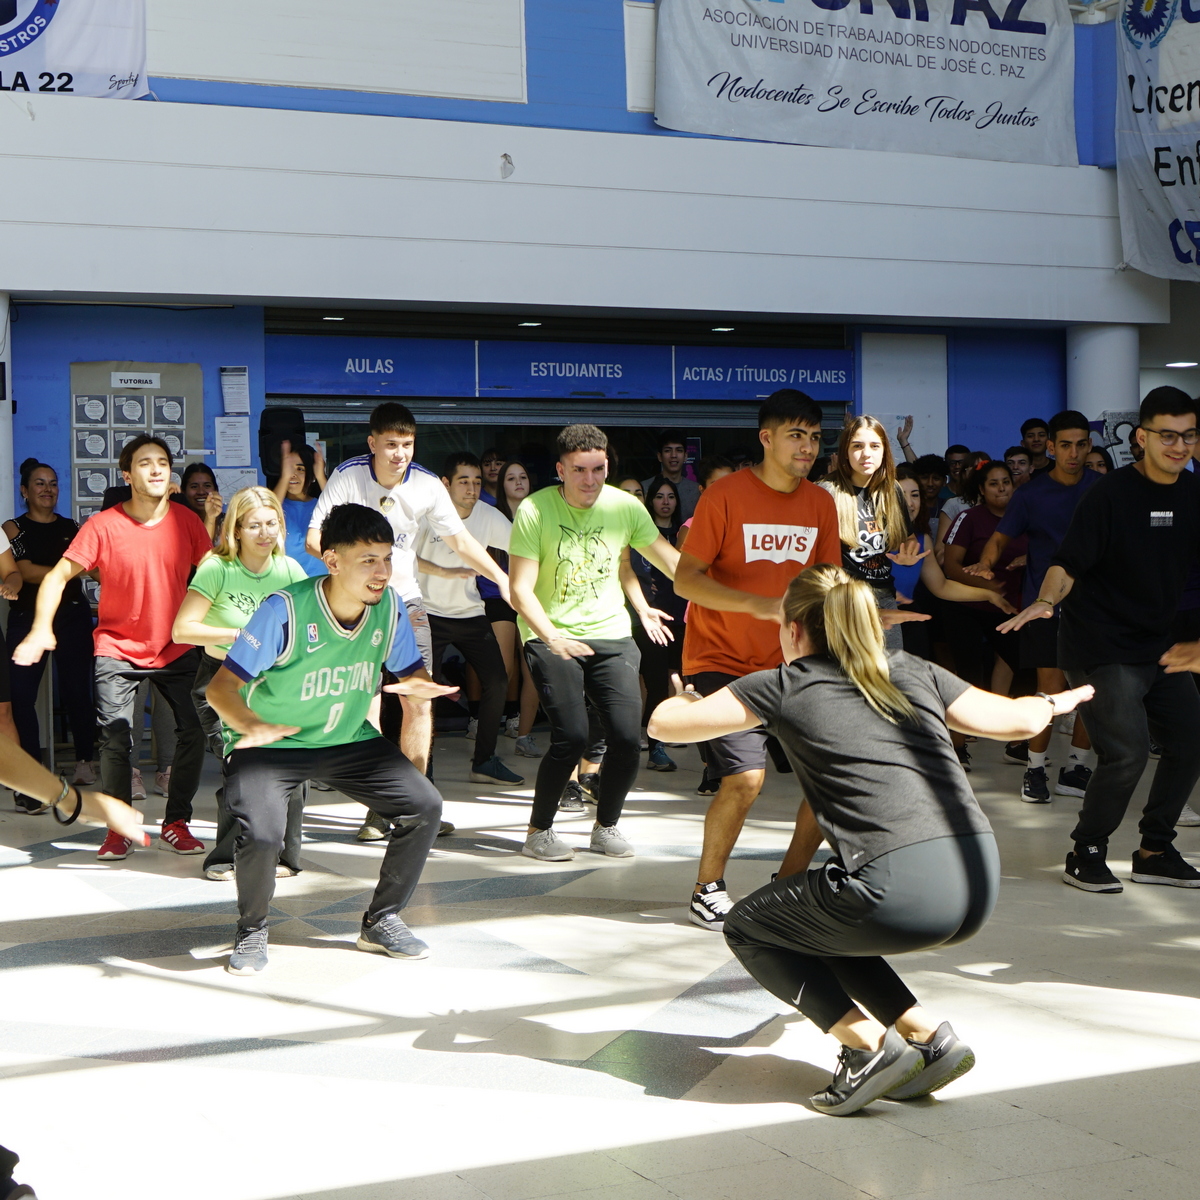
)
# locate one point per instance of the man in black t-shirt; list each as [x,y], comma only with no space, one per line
[1119,574]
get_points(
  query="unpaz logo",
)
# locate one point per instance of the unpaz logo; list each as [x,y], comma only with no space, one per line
[1146,21]
[22,22]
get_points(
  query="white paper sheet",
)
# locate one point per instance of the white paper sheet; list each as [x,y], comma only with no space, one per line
[233,441]
[235,389]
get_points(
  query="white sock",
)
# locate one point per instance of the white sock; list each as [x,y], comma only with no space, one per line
[1083,758]
[1037,760]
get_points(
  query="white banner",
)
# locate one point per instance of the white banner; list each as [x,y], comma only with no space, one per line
[1158,136]
[74,47]
[965,78]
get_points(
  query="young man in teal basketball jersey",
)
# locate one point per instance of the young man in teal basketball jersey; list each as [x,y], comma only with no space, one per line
[293,697]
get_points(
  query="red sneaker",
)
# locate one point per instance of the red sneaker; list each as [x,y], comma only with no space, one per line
[178,837]
[115,846]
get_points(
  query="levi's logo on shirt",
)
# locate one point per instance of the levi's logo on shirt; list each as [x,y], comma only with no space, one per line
[1162,518]
[779,543]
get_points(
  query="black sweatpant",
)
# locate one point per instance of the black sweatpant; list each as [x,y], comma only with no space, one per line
[658,664]
[477,644]
[117,683]
[373,772]
[816,939]
[608,679]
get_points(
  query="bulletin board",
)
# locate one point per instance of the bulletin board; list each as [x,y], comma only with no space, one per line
[107,412]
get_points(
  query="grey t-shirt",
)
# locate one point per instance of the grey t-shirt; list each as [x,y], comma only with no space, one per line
[873,786]
[689,494]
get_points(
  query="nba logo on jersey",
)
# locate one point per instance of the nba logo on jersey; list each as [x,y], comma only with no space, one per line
[313,635]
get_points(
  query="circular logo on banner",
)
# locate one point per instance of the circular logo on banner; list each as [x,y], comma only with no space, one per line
[171,411]
[22,22]
[1146,21]
[132,410]
[95,444]
[96,483]
[94,410]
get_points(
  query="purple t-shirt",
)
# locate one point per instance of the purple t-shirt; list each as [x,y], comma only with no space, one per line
[1042,509]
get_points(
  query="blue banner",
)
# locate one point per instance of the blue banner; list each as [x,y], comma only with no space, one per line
[370,366]
[563,369]
[733,373]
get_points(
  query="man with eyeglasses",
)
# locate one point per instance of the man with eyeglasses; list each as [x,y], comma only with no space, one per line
[1119,575]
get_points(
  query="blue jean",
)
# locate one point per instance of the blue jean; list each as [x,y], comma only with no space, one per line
[1134,703]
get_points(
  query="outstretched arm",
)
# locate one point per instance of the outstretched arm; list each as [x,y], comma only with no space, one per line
[692,582]
[690,717]
[985,714]
[41,636]
[479,560]
[1055,588]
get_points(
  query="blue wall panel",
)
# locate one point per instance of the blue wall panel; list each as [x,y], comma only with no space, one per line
[998,378]
[46,340]
[1096,94]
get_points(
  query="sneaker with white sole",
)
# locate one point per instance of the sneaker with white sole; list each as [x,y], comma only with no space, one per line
[1189,818]
[946,1059]
[494,771]
[178,837]
[1073,782]
[249,955]
[571,801]
[85,774]
[865,1075]
[659,759]
[389,935]
[1169,867]
[512,727]
[162,782]
[374,829]
[546,845]
[1017,752]
[1035,787]
[527,747]
[115,847]
[589,781]
[607,839]
[137,789]
[709,906]
[1087,870]
[219,873]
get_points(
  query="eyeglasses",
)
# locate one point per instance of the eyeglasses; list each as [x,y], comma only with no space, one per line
[271,527]
[1172,437]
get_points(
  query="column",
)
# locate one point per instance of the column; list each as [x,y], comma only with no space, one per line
[8,496]
[1102,369]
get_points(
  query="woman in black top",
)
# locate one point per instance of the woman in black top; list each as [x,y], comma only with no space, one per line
[914,861]
[39,537]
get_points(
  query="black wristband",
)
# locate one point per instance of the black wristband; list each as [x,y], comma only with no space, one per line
[75,815]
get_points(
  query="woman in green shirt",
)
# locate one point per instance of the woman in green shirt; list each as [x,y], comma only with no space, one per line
[247,565]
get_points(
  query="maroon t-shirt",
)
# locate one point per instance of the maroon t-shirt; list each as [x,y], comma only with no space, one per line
[972,530]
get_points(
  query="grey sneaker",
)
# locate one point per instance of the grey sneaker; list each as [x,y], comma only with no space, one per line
[607,839]
[527,747]
[249,955]
[221,873]
[866,1075]
[946,1058]
[548,846]
[512,727]
[374,829]
[389,935]
[1188,817]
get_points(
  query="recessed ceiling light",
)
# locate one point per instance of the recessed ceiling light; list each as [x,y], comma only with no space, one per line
[722,329]
[529,324]
[333,318]
[1183,364]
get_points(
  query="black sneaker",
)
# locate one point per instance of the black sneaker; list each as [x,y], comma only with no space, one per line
[389,935]
[1017,752]
[708,786]
[1072,782]
[710,903]
[1169,867]
[29,805]
[964,757]
[590,783]
[1035,788]
[866,1075]
[946,1058]
[1087,869]
[1155,750]
[249,955]
[571,801]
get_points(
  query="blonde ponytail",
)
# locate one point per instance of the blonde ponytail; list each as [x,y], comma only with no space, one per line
[840,617]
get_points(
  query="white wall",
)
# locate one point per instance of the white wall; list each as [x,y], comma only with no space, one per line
[197,200]
[904,375]
[472,49]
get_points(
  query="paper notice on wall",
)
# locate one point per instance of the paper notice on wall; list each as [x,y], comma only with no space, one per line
[235,389]
[233,441]
[233,479]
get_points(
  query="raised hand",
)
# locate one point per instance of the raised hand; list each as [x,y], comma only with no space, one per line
[909,554]
[652,622]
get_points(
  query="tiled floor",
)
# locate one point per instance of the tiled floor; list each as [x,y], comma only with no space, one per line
[571,1034]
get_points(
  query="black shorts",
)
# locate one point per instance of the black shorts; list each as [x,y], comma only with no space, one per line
[737,752]
[1039,643]
[495,609]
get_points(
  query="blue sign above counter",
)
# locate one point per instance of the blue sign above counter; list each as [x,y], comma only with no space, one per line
[388,366]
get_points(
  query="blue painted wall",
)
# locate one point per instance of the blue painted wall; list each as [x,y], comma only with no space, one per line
[995,379]
[46,340]
[575,71]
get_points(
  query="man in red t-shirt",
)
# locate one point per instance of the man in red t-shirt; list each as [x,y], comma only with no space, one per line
[145,550]
[754,531]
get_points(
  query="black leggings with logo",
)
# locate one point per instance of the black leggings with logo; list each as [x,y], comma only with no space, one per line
[816,939]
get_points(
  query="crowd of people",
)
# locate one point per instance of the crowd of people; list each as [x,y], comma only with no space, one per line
[852,620]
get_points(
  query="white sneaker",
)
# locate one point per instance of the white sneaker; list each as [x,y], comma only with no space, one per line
[512,727]
[710,903]
[138,789]
[85,774]
[527,747]
[1189,816]
[548,846]
[607,839]
[472,728]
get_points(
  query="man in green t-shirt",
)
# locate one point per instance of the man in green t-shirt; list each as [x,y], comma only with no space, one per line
[293,696]
[564,571]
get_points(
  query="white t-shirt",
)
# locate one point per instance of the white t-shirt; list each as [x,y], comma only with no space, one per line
[459,598]
[419,496]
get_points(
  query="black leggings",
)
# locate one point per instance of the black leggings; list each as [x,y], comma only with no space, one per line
[815,939]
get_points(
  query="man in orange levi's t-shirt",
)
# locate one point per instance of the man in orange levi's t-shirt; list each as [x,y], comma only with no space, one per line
[144,550]
[753,532]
